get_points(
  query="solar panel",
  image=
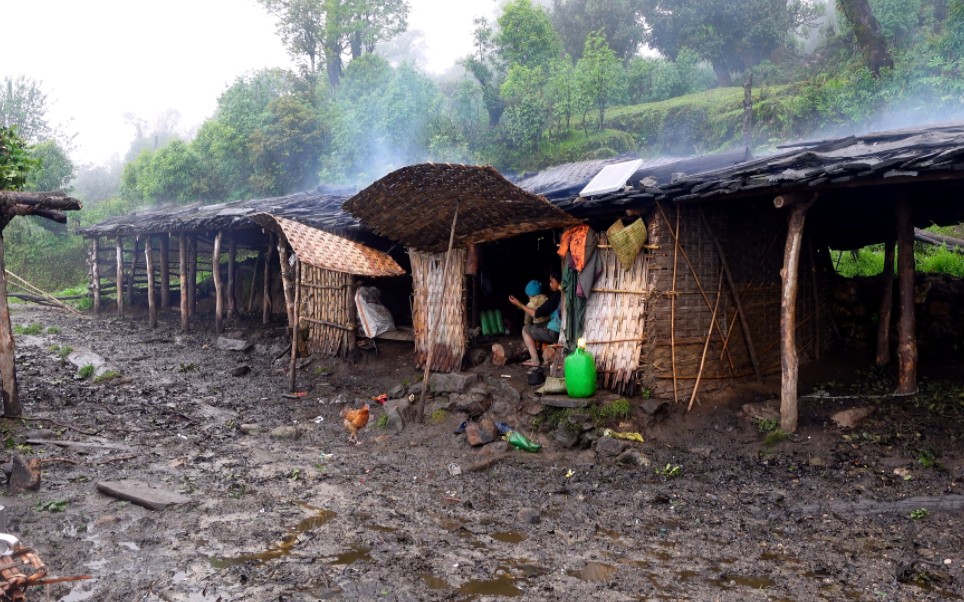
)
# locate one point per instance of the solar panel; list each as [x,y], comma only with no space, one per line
[611,178]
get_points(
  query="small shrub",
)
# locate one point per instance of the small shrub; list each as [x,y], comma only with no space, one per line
[670,471]
[927,458]
[53,330]
[107,376]
[775,436]
[618,409]
[64,351]
[31,329]
[51,506]
[191,367]
[766,425]
[438,415]
[918,514]
[86,371]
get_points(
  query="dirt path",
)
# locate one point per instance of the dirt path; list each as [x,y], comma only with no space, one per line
[281,507]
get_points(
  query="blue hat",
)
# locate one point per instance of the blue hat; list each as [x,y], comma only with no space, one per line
[533,288]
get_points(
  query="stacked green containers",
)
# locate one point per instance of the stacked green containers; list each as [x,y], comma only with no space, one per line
[492,322]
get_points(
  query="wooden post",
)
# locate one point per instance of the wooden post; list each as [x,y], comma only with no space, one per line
[119,290]
[218,285]
[192,275]
[182,255]
[789,360]
[133,272]
[165,241]
[352,316]
[151,296]
[266,285]
[295,335]
[886,306]
[286,281]
[8,354]
[249,305]
[95,272]
[429,353]
[906,326]
[232,297]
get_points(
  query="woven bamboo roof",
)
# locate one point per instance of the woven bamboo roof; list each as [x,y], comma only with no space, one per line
[415,206]
[330,251]
[320,208]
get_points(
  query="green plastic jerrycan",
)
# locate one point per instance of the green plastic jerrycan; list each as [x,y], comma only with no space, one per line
[580,372]
[486,325]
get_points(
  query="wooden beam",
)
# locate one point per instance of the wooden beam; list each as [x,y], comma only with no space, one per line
[182,255]
[95,273]
[789,274]
[119,287]
[906,326]
[165,244]
[218,285]
[151,293]
[8,353]
[886,306]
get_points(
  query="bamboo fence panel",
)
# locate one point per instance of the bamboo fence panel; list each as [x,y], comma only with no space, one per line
[616,320]
[438,309]
[324,310]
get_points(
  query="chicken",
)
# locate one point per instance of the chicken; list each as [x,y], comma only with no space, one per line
[355,420]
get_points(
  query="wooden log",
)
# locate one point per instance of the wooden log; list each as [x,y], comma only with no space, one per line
[906,326]
[95,273]
[287,281]
[119,285]
[249,305]
[232,297]
[151,293]
[886,306]
[182,255]
[295,334]
[266,284]
[133,270]
[218,285]
[789,274]
[165,245]
[8,369]
[192,275]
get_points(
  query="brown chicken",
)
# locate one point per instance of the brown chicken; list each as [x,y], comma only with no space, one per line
[355,420]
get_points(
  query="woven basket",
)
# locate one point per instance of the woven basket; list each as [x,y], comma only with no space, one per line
[627,241]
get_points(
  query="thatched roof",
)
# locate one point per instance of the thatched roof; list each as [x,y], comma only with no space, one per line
[415,206]
[330,251]
[320,209]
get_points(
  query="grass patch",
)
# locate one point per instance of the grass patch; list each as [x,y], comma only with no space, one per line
[382,422]
[438,415]
[617,409]
[775,436]
[33,329]
[107,376]
[86,371]
[670,471]
[766,425]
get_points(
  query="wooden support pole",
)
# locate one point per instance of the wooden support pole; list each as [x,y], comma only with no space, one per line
[151,293]
[352,315]
[218,285]
[95,273]
[886,306]
[906,326]
[192,275]
[706,343]
[672,307]
[232,297]
[287,283]
[182,256]
[789,360]
[817,313]
[8,353]
[135,256]
[165,243]
[119,290]
[429,353]
[266,284]
[249,305]
[295,334]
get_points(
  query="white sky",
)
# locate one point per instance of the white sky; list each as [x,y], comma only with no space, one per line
[100,59]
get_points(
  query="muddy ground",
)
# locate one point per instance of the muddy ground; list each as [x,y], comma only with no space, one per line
[705,509]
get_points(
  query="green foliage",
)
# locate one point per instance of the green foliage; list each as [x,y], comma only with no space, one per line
[526,36]
[56,170]
[438,415]
[600,77]
[670,471]
[927,458]
[775,436]
[32,329]
[382,422]
[16,164]
[869,261]
[918,514]
[86,371]
[617,409]
[190,367]
[617,20]
[51,506]
[106,376]
[767,425]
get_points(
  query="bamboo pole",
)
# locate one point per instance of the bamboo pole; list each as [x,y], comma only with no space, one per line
[790,362]
[672,307]
[182,255]
[119,287]
[706,344]
[8,366]
[744,323]
[295,335]
[218,285]
[286,281]
[429,353]
[232,297]
[351,315]
[249,305]
[151,300]
[165,244]
[886,306]
[95,273]
[266,285]
[906,327]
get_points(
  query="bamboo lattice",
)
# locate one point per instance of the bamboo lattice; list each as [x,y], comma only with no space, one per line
[438,311]
[327,309]
[616,319]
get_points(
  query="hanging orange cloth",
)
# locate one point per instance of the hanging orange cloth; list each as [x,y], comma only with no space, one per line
[574,241]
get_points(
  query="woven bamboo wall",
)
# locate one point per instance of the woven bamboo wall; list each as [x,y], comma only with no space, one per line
[752,238]
[616,320]
[327,309]
[438,310]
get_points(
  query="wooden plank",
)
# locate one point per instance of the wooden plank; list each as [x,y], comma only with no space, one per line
[142,493]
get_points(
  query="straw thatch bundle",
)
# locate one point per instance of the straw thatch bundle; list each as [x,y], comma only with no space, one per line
[438,310]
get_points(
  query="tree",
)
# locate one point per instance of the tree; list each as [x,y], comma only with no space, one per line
[286,153]
[619,20]
[867,32]
[732,36]
[527,108]
[55,171]
[16,164]
[23,104]
[526,36]
[324,33]
[488,70]
[601,77]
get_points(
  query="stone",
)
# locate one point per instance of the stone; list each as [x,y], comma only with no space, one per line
[454,382]
[762,411]
[566,436]
[142,493]
[529,516]
[82,357]
[631,457]
[24,475]
[494,449]
[397,392]
[477,356]
[399,412]
[563,401]
[608,446]
[533,408]
[241,370]
[480,432]
[499,356]
[250,429]
[652,407]
[285,433]
[817,462]
[848,419]
[228,344]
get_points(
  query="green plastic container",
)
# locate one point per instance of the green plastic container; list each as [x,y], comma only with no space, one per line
[484,318]
[498,326]
[580,372]
[517,439]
